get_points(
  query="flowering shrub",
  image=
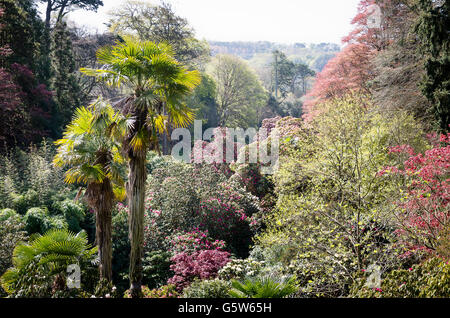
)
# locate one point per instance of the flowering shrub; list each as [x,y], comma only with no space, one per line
[241,268]
[202,264]
[214,288]
[428,279]
[194,241]
[167,291]
[181,197]
[424,210]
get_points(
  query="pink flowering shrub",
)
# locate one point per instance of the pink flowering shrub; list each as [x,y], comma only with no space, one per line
[227,217]
[182,197]
[201,264]
[194,241]
[425,212]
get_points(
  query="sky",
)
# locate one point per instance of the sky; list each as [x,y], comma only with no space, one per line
[282,21]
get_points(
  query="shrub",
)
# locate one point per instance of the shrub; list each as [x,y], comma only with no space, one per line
[19,203]
[9,213]
[429,279]
[38,220]
[181,197]
[73,213]
[193,241]
[241,268]
[424,210]
[334,214]
[214,288]
[40,266]
[264,287]
[202,264]
[156,268]
[167,291]
[11,233]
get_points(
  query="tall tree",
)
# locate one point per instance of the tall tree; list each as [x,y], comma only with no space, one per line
[157,82]
[433,29]
[159,24]
[289,76]
[240,95]
[64,82]
[349,70]
[90,149]
[62,7]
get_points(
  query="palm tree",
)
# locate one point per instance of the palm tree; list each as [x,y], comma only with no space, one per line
[44,262]
[158,85]
[263,287]
[90,148]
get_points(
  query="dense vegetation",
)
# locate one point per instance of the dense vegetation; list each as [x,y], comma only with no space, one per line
[358,207]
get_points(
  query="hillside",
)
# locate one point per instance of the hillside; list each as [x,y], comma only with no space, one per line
[258,54]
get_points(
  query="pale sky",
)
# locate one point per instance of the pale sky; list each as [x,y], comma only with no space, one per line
[283,21]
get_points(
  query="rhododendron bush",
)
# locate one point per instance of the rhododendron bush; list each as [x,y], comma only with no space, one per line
[183,198]
[194,241]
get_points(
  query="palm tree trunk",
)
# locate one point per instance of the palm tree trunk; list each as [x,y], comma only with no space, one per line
[104,229]
[101,197]
[136,197]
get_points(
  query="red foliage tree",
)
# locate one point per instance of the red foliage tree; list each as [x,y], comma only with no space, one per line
[425,211]
[349,71]
[202,264]
[377,23]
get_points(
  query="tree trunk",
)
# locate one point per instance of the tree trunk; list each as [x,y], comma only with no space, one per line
[136,196]
[101,197]
[48,13]
[104,229]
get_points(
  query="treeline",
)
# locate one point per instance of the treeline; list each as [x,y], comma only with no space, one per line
[42,85]
[403,63]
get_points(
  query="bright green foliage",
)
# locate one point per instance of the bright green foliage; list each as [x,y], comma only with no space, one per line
[38,220]
[166,291]
[91,148]
[240,95]
[214,288]
[333,215]
[43,260]
[9,213]
[150,71]
[264,287]
[430,279]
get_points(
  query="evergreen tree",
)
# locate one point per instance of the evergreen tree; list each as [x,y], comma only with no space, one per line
[433,30]
[64,82]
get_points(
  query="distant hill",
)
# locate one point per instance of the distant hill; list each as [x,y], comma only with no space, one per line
[259,54]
